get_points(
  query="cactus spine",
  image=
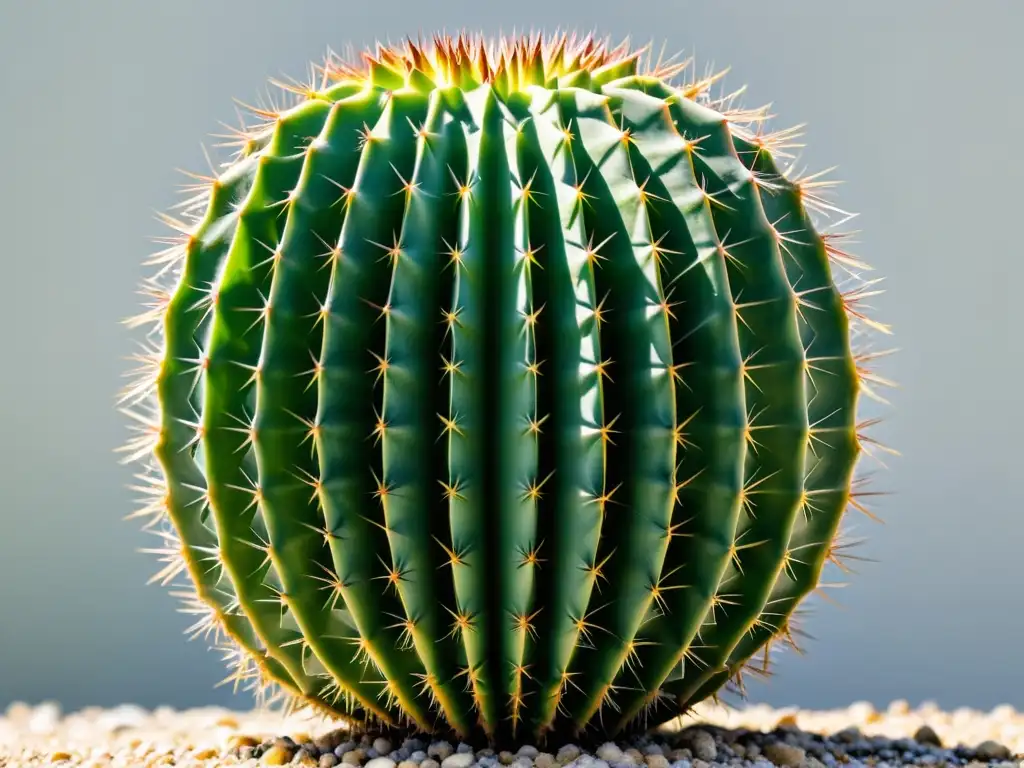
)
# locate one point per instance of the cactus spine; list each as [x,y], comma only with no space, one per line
[501,388]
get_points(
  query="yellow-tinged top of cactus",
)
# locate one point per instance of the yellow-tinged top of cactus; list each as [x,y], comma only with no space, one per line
[510,63]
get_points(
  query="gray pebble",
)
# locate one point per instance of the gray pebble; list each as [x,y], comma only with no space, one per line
[439,750]
[847,735]
[703,745]
[927,735]
[992,750]
[326,743]
[784,754]
[694,747]
[795,738]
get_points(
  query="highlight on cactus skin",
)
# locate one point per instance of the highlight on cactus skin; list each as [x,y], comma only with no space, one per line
[502,389]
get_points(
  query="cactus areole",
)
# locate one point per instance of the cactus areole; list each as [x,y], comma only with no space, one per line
[500,389]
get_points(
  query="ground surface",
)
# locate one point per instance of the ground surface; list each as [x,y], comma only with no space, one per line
[757,736]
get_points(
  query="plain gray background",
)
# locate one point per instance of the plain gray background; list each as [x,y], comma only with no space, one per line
[917,102]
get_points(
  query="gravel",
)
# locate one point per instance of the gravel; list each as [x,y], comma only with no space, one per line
[714,737]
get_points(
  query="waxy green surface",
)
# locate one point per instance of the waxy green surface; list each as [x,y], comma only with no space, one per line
[520,407]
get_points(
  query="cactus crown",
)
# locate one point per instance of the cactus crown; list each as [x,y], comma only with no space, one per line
[467,61]
[501,387]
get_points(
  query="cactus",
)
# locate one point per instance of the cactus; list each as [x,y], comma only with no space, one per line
[500,389]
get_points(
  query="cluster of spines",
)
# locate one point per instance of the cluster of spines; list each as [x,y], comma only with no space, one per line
[611,198]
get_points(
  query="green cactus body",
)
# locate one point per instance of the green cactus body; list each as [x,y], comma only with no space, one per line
[501,390]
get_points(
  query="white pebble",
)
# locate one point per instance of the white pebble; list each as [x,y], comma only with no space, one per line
[125,716]
[860,711]
[567,753]
[610,752]
[1003,713]
[459,760]
[899,707]
[380,762]
[44,718]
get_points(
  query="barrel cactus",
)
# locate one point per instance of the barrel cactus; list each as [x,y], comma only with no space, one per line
[500,389]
